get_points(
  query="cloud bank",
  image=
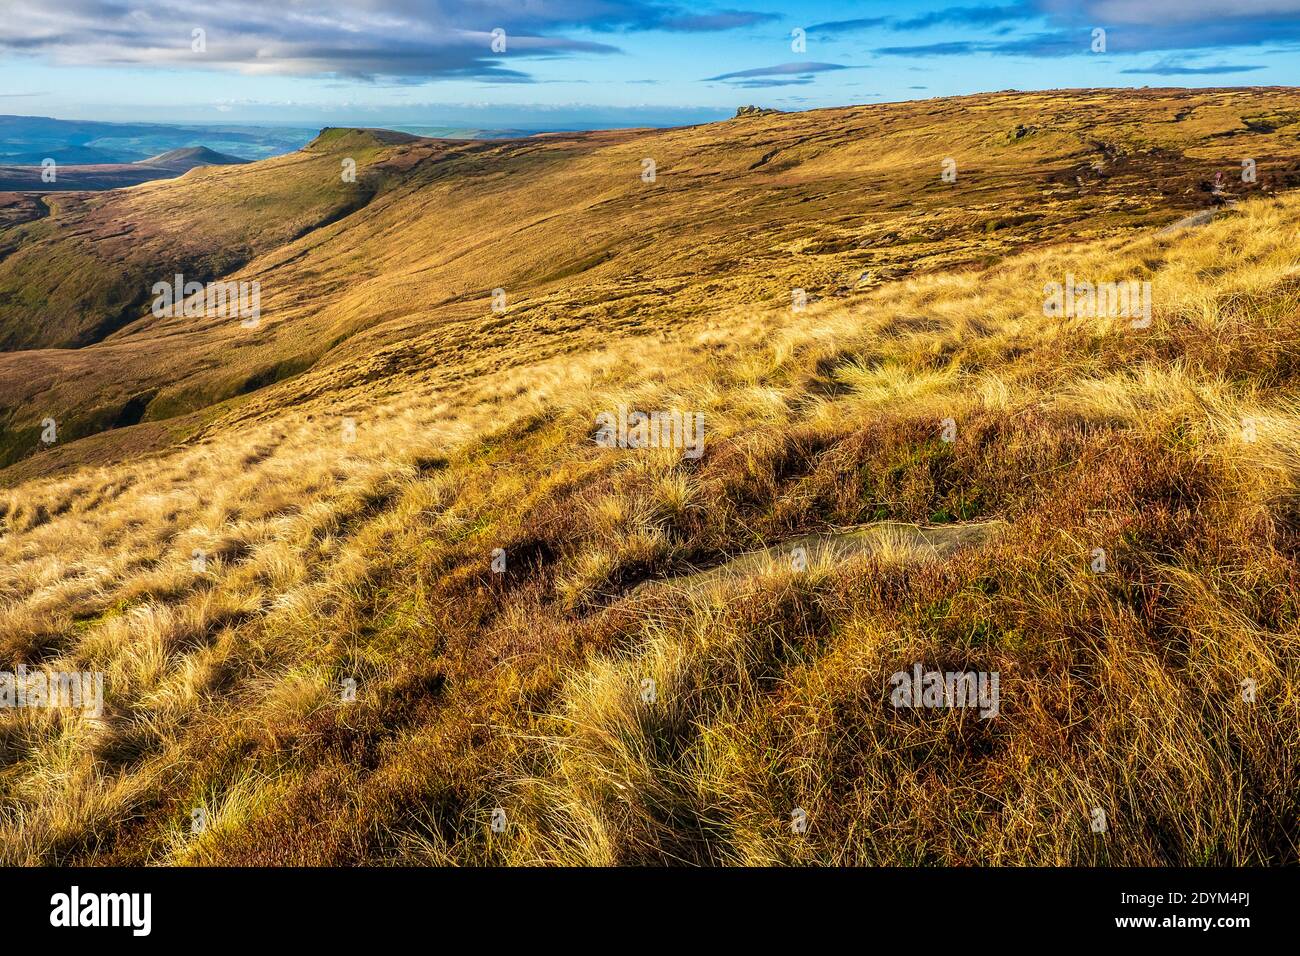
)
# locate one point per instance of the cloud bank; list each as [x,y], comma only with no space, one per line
[402,40]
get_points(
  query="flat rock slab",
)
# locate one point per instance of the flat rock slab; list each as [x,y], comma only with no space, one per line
[1202,218]
[892,540]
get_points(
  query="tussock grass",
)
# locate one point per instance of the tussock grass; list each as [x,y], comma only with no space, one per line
[1173,449]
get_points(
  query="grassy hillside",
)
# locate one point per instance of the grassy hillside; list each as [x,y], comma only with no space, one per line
[1174,448]
[740,213]
[80,273]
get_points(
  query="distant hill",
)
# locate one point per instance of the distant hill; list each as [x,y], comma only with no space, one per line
[189,157]
[27,140]
[97,176]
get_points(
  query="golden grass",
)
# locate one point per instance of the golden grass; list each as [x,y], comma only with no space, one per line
[1173,448]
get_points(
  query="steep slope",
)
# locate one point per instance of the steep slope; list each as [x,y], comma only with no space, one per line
[87,268]
[583,246]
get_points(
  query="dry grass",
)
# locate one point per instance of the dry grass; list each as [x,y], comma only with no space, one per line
[1172,448]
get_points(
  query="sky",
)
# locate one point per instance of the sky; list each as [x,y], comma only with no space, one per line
[575,63]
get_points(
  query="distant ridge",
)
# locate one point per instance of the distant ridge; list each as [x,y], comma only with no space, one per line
[96,176]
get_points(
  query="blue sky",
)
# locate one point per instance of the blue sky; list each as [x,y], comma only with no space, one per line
[603,62]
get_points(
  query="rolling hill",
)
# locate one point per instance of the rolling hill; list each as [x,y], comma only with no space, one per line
[389,483]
